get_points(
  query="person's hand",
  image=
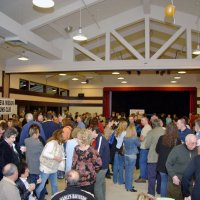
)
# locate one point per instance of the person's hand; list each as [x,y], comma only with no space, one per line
[39,180]
[31,187]
[188,198]
[23,149]
[176,180]
[57,158]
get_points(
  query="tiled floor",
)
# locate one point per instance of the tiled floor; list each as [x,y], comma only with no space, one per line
[115,191]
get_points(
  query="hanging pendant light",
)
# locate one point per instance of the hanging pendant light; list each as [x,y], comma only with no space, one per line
[43,3]
[170,10]
[23,57]
[80,36]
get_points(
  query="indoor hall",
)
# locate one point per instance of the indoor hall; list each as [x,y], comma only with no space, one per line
[131,46]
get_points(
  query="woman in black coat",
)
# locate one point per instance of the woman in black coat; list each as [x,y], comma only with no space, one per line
[8,153]
[193,170]
[164,146]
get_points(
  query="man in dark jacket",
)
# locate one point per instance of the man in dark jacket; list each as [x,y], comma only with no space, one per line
[101,145]
[177,162]
[49,126]
[73,190]
[193,170]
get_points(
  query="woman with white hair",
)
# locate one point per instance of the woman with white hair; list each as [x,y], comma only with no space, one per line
[86,160]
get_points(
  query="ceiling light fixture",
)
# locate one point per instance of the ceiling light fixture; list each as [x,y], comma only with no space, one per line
[74,79]
[120,78]
[43,3]
[124,82]
[84,82]
[80,36]
[173,81]
[62,74]
[177,77]
[115,73]
[23,57]
[182,72]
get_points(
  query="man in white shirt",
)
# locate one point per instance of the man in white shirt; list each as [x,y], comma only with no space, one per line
[143,151]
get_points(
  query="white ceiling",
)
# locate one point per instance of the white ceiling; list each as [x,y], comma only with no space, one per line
[44,35]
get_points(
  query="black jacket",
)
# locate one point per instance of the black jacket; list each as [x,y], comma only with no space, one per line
[163,152]
[24,193]
[73,192]
[7,155]
[193,170]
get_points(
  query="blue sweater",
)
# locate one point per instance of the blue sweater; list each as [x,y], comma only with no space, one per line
[49,127]
[183,134]
[25,132]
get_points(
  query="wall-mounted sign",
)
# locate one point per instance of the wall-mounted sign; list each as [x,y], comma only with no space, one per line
[7,106]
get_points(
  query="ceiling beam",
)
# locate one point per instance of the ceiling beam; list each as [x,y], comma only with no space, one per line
[168,43]
[147,37]
[31,41]
[176,64]
[131,49]
[146,6]
[107,46]
[86,52]
[59,13]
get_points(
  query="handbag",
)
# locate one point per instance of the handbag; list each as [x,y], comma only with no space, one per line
[122,150]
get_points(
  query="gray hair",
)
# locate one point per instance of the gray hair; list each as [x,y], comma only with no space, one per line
[156,123]
[29,117]
[9,169]
[9,132]
[197,122]
[72,177]
[189,137]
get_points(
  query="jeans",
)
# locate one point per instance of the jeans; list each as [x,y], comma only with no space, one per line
[100,185]
[163,189]
[118,169]
[129,167]
[53,179]
[152,176]
[143,163]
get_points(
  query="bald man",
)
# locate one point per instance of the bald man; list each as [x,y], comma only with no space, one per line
[73,190]
[8,187]
[177,162]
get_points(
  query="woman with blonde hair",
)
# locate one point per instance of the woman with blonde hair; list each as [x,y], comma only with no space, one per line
[86,160]
[118,166]
[131,142]
[50,160]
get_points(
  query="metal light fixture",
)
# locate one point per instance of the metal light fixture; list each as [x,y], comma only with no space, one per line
[115,73]
[75,79]
[23,57]
[80,36]
[43,3]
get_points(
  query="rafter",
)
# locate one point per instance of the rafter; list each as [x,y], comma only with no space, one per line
[66,10]
[127,45]
[86,52]
[168,43]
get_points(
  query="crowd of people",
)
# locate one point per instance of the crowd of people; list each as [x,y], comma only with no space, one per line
[39,148]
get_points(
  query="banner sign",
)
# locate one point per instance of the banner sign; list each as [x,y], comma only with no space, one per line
[7,106]
[137,111]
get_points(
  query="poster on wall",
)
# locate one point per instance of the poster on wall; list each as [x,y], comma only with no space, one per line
[7,106]
[137,111]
